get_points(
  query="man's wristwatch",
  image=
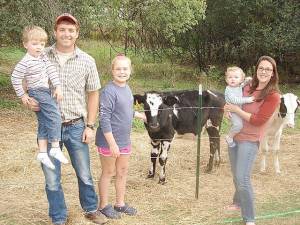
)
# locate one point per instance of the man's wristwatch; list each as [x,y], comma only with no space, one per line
[91,126]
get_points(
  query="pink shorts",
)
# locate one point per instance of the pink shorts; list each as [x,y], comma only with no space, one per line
[106,152]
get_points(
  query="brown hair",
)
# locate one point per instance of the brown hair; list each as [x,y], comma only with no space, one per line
[272,86]
[34,33]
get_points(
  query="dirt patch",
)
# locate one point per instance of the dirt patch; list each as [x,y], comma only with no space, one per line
[23,200]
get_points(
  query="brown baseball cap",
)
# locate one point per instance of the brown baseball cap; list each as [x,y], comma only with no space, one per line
[67,17]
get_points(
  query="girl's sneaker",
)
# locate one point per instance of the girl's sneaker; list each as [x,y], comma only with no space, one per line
[128,210]
[44,158]
[110,213]
[57,153]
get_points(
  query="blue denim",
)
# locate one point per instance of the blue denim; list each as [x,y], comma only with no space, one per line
[80,159]
[242,158]
[49,119]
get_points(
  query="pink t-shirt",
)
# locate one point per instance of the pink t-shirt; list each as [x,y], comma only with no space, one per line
[261,112]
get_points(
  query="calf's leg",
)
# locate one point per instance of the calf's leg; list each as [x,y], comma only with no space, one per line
[154,154]
[275,147]
[163,156]
[214,145]
[264,147]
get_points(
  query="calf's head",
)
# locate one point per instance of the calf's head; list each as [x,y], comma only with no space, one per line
[288,107]
[157,112]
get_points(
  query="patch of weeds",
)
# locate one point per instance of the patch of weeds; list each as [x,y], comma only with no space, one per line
[138,125]
[8,104]
[4,81]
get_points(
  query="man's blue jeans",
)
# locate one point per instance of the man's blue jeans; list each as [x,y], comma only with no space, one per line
[80,159]
[242,158]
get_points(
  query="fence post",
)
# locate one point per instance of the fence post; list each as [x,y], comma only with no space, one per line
[199,112]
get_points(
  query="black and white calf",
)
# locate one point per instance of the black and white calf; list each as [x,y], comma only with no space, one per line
[170,112]
[285,117]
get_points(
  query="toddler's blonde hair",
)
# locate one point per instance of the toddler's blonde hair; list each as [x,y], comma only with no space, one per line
[233,69]
[33,32]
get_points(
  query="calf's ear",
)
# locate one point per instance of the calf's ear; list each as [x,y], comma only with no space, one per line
[140,99]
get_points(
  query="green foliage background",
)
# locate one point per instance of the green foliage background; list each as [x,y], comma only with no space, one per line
[198,33]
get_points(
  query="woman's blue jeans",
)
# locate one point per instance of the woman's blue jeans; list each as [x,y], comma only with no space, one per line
[242,158]
[80,159]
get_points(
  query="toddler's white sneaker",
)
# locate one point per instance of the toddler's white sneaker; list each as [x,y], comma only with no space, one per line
[230,142]
[44,158]
[57,153]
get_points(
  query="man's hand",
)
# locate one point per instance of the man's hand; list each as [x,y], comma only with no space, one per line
[31,103]
[88,135]
[25,99]
[57,94]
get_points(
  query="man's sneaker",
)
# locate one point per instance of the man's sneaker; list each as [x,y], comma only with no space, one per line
[230,142]
[96,217]
[128,210]
[57,153]
[44,158]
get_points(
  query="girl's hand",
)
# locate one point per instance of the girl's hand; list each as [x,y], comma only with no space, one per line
[115,151]
[141,116]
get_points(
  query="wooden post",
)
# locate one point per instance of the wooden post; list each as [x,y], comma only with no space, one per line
[199,118]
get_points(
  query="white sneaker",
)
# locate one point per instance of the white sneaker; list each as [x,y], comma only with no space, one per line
[230,142]
[44,158]
[57,153]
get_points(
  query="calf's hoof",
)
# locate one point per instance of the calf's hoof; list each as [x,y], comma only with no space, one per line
[150,176]
[263,170]
[208,169]
[162,181]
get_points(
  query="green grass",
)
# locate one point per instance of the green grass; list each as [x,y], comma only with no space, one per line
[4,80]
[11,54]
[9,104]
[275,210]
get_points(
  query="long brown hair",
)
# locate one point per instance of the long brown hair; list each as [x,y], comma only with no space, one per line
[272,86]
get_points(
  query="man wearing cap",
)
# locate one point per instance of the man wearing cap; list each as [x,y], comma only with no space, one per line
[80,88]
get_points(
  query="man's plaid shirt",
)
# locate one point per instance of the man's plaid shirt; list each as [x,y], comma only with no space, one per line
[78,76]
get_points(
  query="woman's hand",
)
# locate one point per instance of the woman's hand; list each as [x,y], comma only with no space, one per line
[228,108]
[231,108]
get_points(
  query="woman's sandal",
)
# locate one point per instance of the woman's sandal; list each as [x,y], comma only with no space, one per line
[128,210]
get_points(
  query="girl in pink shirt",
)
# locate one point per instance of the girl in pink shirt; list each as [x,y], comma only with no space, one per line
[264,89]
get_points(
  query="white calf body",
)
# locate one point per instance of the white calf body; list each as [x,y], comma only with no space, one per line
[285,117]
